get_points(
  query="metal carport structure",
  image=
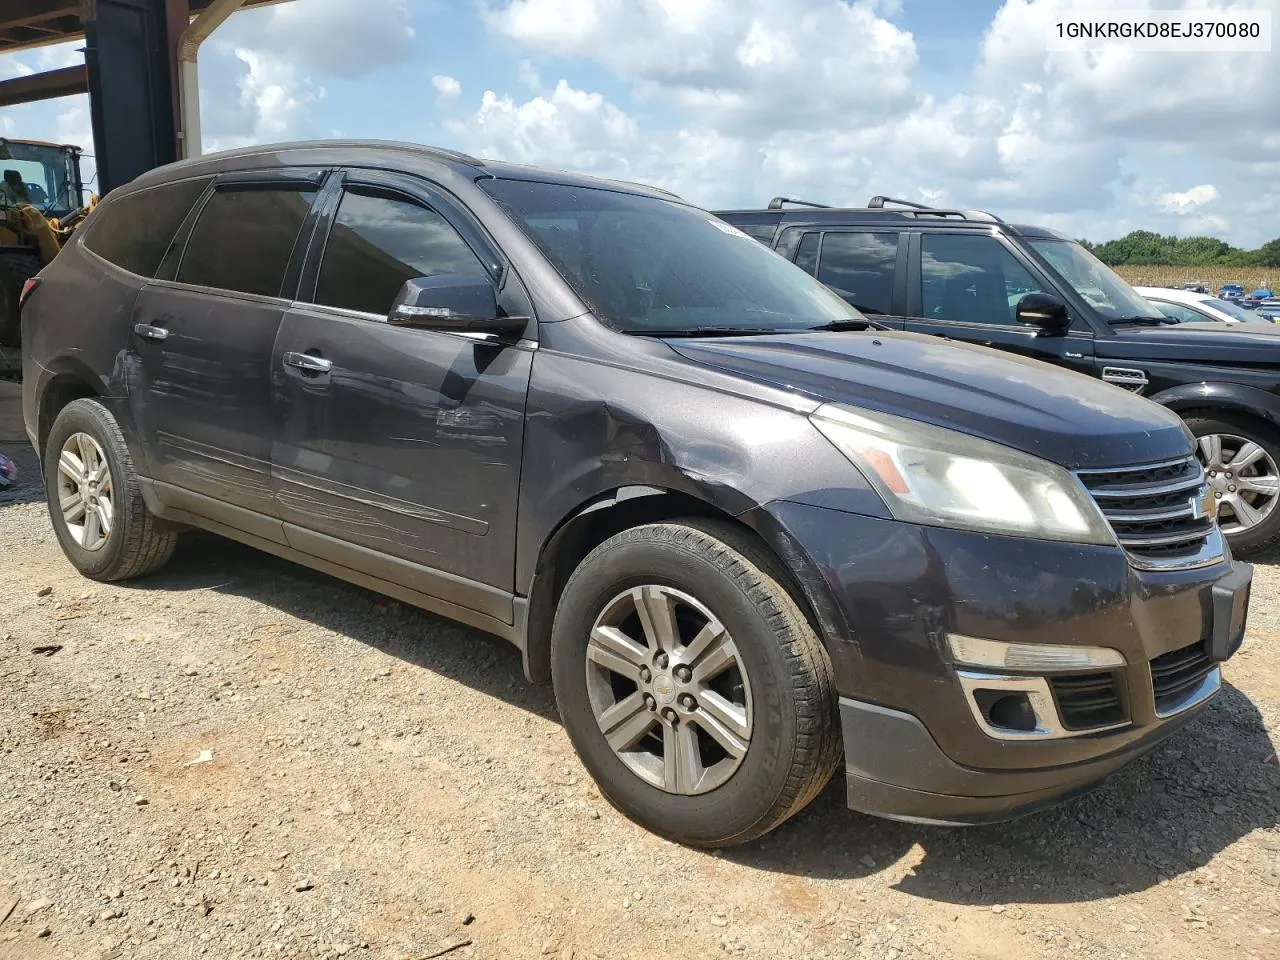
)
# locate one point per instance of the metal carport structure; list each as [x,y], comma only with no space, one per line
[139,72]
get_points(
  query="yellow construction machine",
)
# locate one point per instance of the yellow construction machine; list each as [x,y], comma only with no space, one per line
[41,203]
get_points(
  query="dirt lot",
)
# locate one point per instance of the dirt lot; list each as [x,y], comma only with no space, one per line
[240,758]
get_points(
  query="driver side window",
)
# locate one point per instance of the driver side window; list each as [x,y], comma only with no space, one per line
[377,243]
[971,279]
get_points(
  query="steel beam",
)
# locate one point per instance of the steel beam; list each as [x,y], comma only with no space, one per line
[129,55]
[44,86]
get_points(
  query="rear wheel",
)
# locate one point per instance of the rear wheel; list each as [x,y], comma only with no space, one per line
[95,501]
[15,270]
[1241,458]
[691,685]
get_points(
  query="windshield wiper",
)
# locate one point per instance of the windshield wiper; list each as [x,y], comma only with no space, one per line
[1143,321]
[703,331]
[863,324]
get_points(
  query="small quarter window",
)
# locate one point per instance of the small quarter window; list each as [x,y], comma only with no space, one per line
[134,231]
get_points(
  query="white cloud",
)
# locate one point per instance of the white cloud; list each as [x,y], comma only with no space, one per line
[1188,201]
[273,104]
[741,65]
[819,98]
[341,38]
[277,57]
[446,87]
[567,127]
[528,75]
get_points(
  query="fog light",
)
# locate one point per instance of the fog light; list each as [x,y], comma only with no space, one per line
[1040,657]
[1007,711]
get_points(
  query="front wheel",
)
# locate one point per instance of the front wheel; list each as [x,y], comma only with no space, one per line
[692,686]
[1241,457]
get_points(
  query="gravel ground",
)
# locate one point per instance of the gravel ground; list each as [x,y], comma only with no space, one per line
[241,758]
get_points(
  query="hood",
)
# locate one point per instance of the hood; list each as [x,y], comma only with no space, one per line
[1064,417]
[1216,344]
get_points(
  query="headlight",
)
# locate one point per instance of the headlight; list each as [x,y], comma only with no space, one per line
[946,479]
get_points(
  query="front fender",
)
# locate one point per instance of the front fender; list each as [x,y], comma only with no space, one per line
[594,430]
[1220,396]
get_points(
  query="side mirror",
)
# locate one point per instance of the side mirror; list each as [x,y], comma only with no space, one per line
[1043,310]
[457,302]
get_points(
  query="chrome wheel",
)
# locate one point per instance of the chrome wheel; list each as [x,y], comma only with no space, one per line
[1244,480]
[85,494]
[669,689]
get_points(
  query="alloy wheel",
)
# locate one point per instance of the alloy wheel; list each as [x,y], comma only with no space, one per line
[669,689]
[1244,479]
[85,493]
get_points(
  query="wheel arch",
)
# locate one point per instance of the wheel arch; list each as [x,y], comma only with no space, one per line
[624,507]
[1228,398]
[69,382]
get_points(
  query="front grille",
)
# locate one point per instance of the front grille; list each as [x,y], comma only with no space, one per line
[1155,510]
[1176,675]
[1088,700]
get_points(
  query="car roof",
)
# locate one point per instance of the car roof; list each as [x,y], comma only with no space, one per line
[392,155]
[1175,296]
[933,218]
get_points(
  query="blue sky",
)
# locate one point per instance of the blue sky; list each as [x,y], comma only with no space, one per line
[731,102]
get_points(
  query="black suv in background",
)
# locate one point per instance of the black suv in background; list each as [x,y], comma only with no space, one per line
[967,275]
[725,517]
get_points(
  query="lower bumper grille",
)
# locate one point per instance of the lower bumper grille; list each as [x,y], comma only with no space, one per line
[1088,700]
[1176,677]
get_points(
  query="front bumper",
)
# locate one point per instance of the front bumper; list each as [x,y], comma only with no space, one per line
[888,594]
[895,769]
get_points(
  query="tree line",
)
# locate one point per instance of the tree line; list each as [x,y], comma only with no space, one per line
[1143,248]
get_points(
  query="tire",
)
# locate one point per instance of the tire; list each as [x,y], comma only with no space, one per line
[1231,432]
[136,543]
[781,682]
[15,270]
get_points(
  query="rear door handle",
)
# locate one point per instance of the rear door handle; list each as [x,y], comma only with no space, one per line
[149,332]
[308,363]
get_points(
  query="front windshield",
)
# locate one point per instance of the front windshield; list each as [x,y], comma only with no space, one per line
[646,265]
[40,175]
[1237,313]
[1093,280]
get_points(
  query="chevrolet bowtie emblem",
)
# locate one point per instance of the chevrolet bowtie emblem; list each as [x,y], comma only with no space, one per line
[1202,504]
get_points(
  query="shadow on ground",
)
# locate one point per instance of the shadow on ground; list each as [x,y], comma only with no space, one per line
[481,661]
[1170,812]
[1210,784]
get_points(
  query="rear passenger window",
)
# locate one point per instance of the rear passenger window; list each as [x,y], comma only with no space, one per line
[244,239]
[860,267]
[134,231]
[377,243]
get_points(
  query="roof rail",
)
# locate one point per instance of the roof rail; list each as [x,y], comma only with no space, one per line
[921,210]
[777,202]
[877,203]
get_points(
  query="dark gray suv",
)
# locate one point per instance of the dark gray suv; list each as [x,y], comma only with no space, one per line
[734,522]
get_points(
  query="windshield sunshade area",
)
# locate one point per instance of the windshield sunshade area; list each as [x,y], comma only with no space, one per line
[650,266]
[1093,280]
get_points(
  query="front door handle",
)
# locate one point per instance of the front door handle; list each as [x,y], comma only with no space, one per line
[307,363]
[149,332]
